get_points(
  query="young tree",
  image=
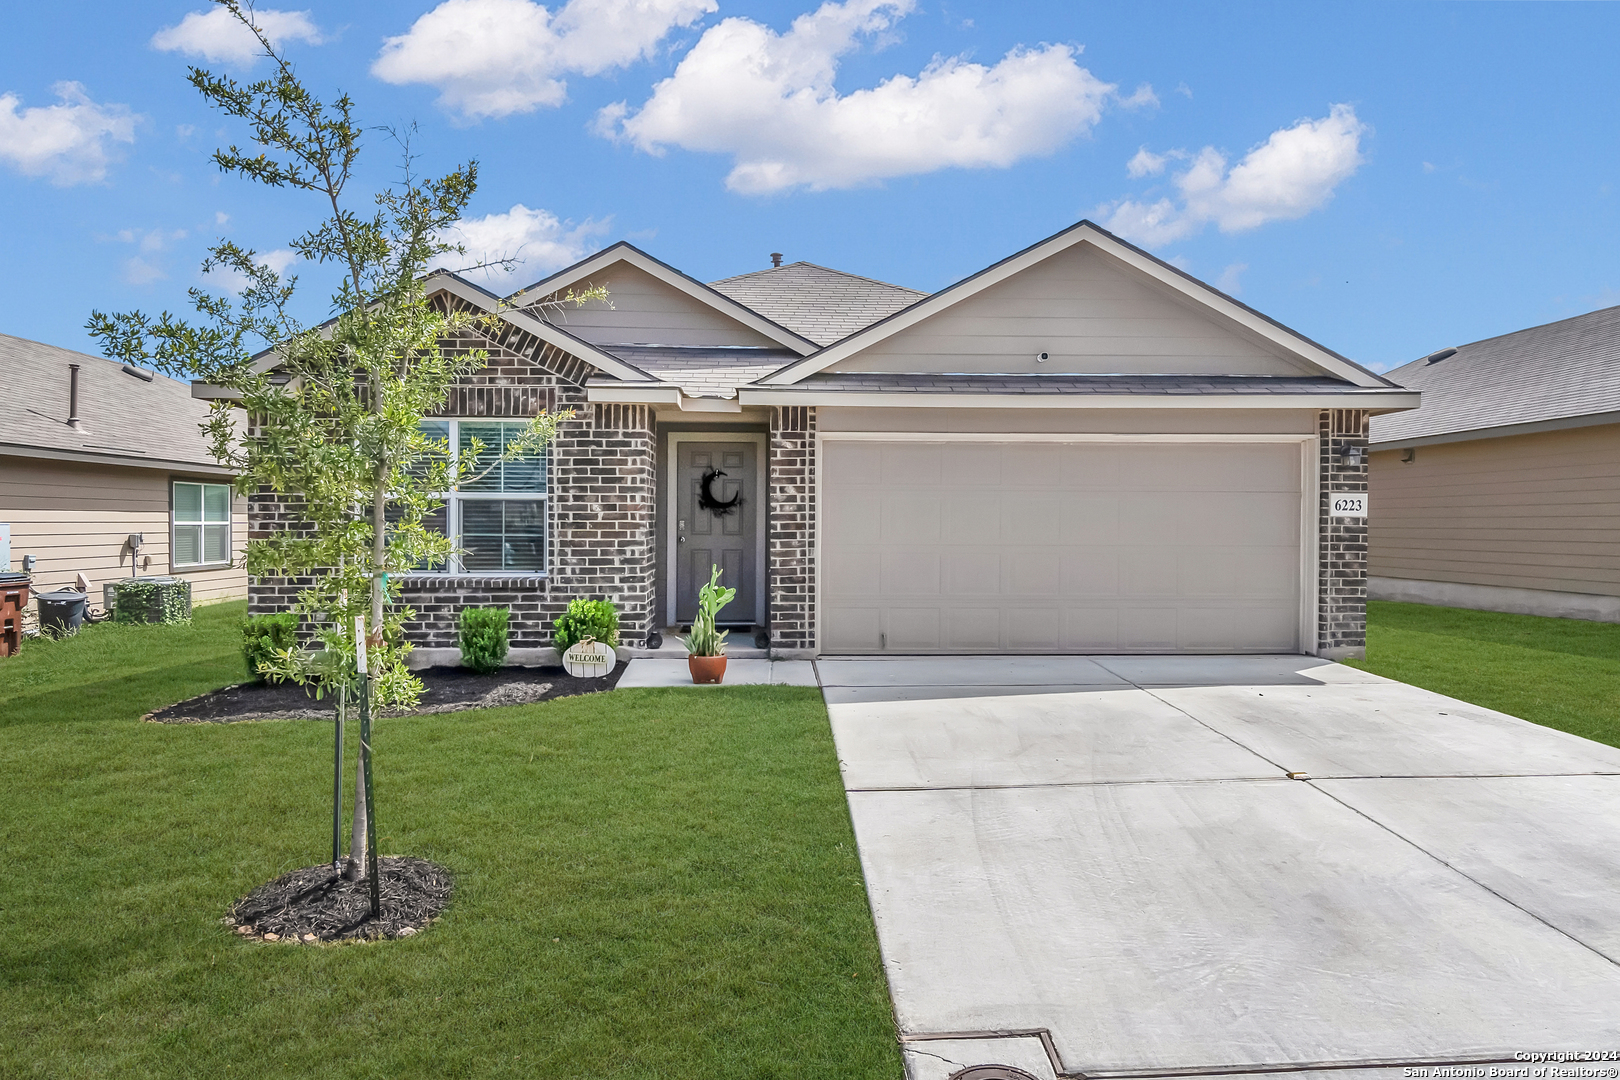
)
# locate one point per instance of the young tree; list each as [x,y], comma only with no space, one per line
[333,422]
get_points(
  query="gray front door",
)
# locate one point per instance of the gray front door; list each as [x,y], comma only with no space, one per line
[717,526]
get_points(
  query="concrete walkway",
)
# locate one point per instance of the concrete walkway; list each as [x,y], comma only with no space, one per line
[739,672]
[1121,866]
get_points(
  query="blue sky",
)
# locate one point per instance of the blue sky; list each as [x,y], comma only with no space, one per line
[1386,178]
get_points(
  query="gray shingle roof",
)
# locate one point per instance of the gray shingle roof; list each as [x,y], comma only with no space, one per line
[153,423]
[1077,384]
[1564,369]
[703,372]
[815,302]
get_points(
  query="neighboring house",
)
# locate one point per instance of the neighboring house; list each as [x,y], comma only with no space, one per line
[1502,492]
[91,453]
[1078,449]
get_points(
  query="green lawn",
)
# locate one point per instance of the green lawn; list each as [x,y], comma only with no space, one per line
[650,883]
[1564,673]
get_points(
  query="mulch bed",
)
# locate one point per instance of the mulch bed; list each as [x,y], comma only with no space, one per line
[317,904]
[446,689]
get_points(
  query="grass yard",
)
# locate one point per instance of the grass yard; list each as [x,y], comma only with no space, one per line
[650,883]
[1563,673]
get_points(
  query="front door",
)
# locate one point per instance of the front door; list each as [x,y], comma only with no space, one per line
[717,515]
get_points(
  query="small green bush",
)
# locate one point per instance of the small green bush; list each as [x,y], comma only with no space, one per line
[483,638]
[595,619]
[265,635]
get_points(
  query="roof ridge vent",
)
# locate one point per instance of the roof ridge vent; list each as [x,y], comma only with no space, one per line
[1436,357]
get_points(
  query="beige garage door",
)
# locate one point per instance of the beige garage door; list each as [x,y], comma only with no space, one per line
[1060,547]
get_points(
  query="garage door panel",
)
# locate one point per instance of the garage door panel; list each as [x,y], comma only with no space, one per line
[1034,629]
[973,572]
[1089,572]
[907,574]
[912,629]
[1089,467]
[852,629]
[1029,466]
[1032,572]
[855,517]
[1217,628]
[852,574]
[973,629]
[1089,518]
[912,518]
[1030,547]
[1091,629]
[918,465]
[1148,629]
[856,464]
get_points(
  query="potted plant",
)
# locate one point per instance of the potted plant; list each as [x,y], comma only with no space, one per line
[705,645]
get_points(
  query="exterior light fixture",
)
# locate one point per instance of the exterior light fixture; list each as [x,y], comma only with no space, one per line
[1350,456]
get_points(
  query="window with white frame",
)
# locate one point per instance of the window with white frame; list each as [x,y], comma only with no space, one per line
[498,516]
[202,525]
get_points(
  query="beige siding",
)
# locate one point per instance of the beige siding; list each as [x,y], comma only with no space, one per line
[76,517]
[1073,421]
[1093,315]
[641,310]
[1528,512]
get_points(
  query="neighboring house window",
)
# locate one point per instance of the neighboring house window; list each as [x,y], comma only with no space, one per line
[498,518]
[202,525]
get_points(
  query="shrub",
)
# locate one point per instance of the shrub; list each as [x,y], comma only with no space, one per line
[483,638]
[152,600]
[595,619]
[265,635]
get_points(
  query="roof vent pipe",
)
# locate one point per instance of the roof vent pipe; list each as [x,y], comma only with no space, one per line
[73,395]
[776,258]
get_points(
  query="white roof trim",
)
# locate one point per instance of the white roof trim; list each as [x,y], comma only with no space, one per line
[628,253]
[131,460]
[623,394]
[1387,401]
[1087,233]
[1500,431]
[523,320]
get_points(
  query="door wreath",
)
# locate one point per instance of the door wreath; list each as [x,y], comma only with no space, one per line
[706,499]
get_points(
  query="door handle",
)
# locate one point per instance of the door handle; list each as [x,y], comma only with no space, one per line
[680,539]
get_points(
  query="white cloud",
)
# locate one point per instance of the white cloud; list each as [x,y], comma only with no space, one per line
[233,280]
[1230,282]
[1292,173]
[536,240]
[768,100]
[491,58]
[1144,97]
[1145,163]
[150,241]
[219,37]
[139,271]
[68,142]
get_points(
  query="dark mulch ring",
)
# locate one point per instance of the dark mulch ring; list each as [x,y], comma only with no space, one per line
[318,904]
[445,689]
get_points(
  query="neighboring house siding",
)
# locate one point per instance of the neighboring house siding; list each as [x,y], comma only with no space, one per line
[600,512]
[77,517]
[1539,511]
[1092,315]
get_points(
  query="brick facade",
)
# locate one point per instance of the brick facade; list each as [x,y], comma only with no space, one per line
[791,550]
[601,492]
[1341,605]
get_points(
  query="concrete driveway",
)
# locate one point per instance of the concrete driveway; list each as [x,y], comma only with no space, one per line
[1124,866]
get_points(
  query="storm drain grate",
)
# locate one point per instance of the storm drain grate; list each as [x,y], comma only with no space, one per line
[990,1072]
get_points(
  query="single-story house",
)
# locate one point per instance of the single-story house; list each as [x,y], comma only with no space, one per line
[1502,492]
[104,472]
[1077,449]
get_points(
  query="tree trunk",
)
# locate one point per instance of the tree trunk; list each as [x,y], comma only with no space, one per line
[337,779]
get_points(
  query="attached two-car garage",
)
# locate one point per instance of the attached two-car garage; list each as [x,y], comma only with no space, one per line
[939,544]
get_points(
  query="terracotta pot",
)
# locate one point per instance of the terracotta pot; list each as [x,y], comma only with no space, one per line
[707,669]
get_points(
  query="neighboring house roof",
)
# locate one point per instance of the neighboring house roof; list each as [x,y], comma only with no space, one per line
[818,303]
[580,274]
[1557,375]
[124,419]
[1086,232]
